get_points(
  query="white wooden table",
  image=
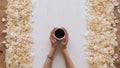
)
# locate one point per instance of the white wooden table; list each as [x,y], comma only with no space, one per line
[67,13]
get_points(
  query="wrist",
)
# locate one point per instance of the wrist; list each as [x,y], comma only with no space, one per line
[53,48]
[64,49]
[52,51]
[65,52]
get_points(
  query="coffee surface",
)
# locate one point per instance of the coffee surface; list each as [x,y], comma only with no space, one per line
[59,33]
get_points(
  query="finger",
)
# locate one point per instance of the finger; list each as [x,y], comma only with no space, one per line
[63,40]
[53,31]
[66,40]
[51,39]
[51,35]
[66,33]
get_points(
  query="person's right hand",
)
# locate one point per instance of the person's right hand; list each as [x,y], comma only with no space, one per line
[64,41]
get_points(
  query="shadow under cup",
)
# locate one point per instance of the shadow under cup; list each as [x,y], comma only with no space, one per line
[59,34]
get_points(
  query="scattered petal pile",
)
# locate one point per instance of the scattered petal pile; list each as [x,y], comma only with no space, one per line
[18,39]
[101,35]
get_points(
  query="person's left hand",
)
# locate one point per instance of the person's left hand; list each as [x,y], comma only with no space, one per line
[53,39]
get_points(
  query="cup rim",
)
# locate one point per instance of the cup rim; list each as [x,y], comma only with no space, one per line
[59,38]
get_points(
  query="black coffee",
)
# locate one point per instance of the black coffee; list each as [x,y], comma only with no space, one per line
[59,33]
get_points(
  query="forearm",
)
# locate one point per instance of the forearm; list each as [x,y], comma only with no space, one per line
[68,61]
[49,60]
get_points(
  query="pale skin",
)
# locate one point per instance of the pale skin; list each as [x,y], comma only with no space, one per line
[63,47]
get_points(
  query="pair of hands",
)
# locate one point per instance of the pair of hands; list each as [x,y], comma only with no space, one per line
[63,45]
[54,41]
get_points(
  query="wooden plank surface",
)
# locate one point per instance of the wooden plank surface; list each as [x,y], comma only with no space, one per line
[3,4]
[117,49]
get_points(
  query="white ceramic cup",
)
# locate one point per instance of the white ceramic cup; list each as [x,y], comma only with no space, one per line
[59,34]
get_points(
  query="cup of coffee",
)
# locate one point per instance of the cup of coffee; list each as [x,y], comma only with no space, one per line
[59,34]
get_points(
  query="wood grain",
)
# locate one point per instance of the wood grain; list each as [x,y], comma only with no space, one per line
[117,49]
[3,4]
